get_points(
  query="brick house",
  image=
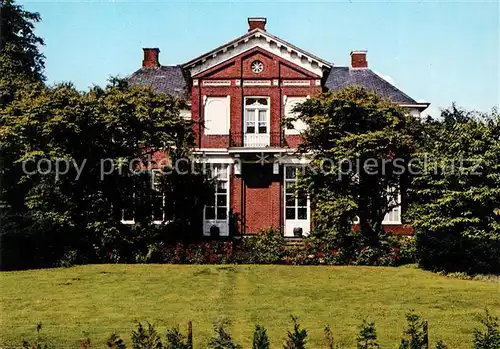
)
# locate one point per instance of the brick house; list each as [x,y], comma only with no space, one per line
[239,93]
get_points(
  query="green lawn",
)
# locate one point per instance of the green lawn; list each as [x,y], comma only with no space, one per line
[100,299]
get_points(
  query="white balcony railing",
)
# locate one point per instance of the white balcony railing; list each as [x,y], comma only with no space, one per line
[256,140]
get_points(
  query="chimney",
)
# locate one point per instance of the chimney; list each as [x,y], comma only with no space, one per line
[358,59]
[257,22]
[151,58]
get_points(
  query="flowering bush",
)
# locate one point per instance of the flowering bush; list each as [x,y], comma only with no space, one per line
[392,251]
[213,252]
[270,248]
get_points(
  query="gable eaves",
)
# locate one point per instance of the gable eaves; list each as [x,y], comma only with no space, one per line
[256,33]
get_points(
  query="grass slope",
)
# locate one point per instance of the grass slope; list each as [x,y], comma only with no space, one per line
[100,299]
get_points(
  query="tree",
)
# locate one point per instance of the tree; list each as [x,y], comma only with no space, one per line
[359,146]
[71,168]
[260,338]
[455,195]
[20,58]
[222,338]
[367,337]
[489,338]
[297,338]
[416,334]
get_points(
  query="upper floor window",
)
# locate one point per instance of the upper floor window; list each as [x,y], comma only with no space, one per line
[256,115]
[216,114]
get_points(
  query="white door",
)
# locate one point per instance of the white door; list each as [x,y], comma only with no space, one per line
[297,205]
[256,122]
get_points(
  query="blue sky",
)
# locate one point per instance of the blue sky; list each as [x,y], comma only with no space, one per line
[435,51]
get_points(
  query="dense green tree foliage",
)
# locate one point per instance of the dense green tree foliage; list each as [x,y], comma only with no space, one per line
[456,193]
[21,61]
[359,144]
[71,163]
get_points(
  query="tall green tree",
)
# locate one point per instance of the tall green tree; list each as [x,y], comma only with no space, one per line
[21,61]
[98,139]
[359,145]
[456,193]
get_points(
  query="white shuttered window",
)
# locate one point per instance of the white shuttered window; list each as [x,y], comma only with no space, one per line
[216,113]
[299,125]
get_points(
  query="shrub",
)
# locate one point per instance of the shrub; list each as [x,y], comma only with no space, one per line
[38,343]
[115,342]
[85,342]
[146,338]
[260,339]
[441,345]
[176,340]
[416,336]
[222,338]
[266,248]
[327,249]
[330,341]
[367,337]
[296,338]
[407,249]
[489,338]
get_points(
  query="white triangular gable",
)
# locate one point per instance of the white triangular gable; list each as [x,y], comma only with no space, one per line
[263,40]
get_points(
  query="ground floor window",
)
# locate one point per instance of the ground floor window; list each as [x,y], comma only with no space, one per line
[146,203]
[296,203]
[218,206]
[157,197]
[295,199]
[393,216]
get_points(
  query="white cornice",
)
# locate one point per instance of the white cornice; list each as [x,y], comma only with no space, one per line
[420,106]
[251,40]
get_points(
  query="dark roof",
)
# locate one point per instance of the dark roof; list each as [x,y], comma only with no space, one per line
[340,77]
[166,79]
[172,80]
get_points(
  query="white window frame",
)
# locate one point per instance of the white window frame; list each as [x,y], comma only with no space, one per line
[206,101]
[304,223]
[128,221]
[256,109]
[296,205]
[223,224]
[153,174]
[156,173]
[387,218]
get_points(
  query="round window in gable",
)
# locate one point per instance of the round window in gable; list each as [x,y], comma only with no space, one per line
[257,67]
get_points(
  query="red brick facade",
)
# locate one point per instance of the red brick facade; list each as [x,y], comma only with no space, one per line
[256,194]
[237,71]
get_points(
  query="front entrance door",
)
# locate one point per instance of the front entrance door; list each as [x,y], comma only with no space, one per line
[297,205]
